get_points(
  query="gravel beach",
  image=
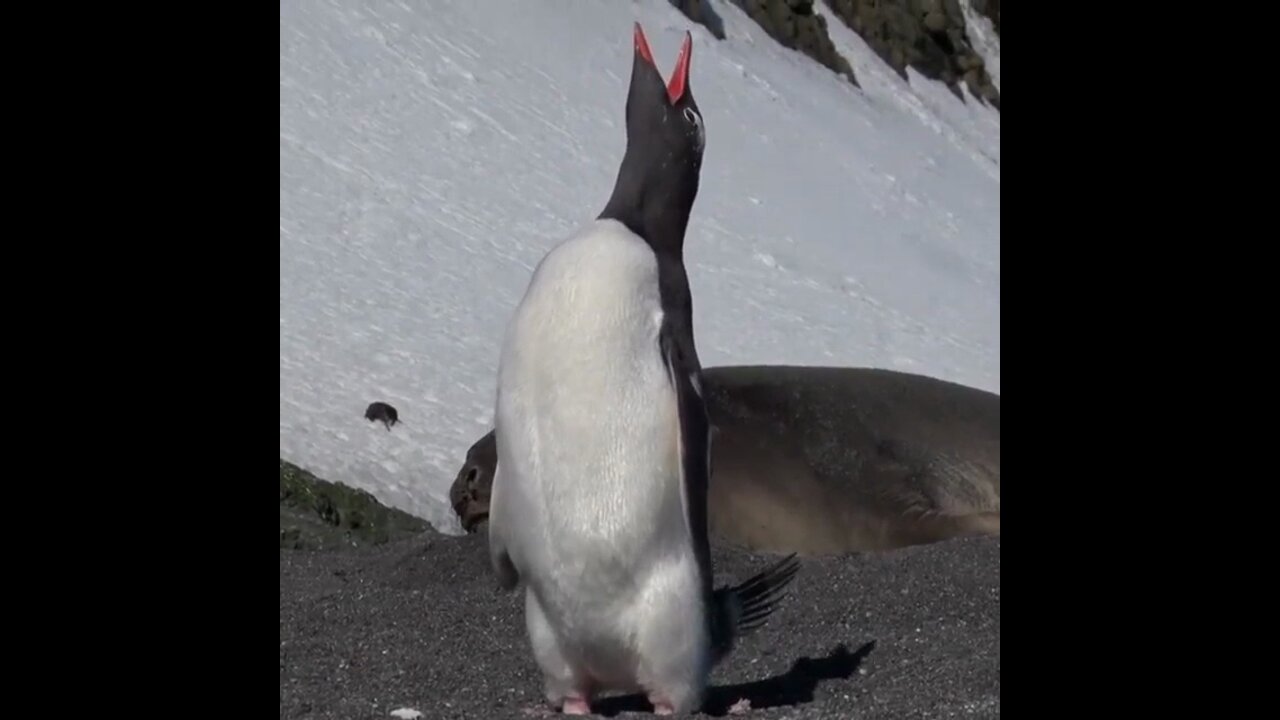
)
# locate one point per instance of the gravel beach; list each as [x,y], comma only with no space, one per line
[419,624]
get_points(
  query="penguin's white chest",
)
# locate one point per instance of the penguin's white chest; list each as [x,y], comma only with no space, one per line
[586,415]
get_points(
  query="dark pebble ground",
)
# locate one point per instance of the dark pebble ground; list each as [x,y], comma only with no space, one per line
[420,624]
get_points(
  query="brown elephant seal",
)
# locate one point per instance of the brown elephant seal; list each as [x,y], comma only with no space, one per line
[821,460]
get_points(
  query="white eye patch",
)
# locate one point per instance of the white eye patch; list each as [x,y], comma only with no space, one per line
[694,119]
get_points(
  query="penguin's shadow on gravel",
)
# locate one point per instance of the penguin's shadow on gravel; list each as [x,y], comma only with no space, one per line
[794,687]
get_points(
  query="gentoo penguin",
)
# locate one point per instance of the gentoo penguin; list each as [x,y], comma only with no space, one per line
[599,506]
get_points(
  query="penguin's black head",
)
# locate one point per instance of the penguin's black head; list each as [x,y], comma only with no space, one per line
[662,117]
[658,180]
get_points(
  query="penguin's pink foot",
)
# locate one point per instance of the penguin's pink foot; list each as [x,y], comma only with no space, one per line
[575,705]
[662,707]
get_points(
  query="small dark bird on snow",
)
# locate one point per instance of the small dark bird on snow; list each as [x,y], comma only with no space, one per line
[384,412]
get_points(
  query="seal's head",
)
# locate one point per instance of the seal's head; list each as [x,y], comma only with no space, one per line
[469,494]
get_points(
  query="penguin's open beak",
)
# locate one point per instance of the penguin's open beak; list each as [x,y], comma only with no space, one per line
[680,76]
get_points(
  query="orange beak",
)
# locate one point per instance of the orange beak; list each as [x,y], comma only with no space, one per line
[680,76]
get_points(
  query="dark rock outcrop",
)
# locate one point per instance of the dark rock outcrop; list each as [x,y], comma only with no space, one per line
[701,12]
[319,515]
[927,35]
[793,24]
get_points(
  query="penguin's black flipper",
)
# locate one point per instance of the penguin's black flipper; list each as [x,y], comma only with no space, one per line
[508,576]
[499,535]
[694,435]
[740,609]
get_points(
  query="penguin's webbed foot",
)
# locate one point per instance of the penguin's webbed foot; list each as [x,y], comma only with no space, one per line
[576,705]
[662,706]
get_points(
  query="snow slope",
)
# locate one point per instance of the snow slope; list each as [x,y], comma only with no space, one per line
[431,152]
